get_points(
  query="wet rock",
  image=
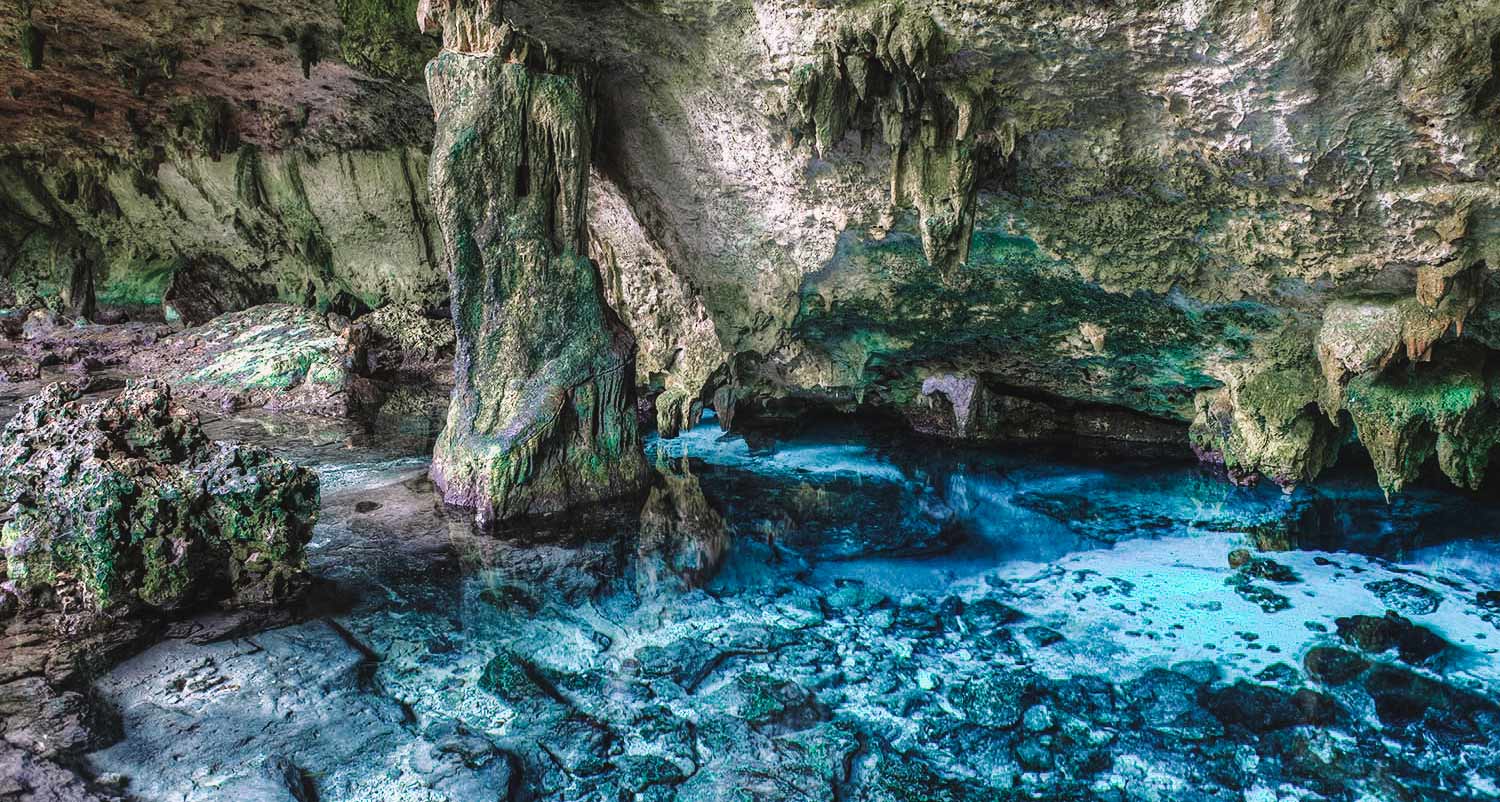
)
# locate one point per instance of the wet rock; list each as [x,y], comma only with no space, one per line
[542,415]
[682,537]
[892,776]
[726,405]
[510,677]
[1034,756]
[1261,567]
[676,412]
[275,356]
[581,746]
[1167,702]
[984,616]
[1263,597]
[353,743]
[1406,597]
[1037,718]
[24,777]
[1099,520]
[1332,665]
[1413,643]
[995,699]
[854,595]
[686,661]
[348,306]
[1403,697]
[1042,637]
[771,705]
[1262,708]
[125,503]
[275,779]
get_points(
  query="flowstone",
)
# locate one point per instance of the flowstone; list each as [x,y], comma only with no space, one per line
[542,415]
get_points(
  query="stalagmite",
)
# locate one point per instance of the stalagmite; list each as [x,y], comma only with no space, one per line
[542,416]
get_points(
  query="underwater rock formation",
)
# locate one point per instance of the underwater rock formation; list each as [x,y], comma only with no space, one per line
[543,414]
[124,504]
[682,539]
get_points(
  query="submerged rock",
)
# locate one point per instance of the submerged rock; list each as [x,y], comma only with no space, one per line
[1375,634]
[682,540]
[124,503]
[543,413]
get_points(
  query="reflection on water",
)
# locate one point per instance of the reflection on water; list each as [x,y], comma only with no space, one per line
[838,614]
[843,492]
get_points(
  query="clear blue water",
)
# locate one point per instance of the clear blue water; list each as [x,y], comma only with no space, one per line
[846,614]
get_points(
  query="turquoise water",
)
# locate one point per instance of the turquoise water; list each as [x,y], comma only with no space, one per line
[841,613]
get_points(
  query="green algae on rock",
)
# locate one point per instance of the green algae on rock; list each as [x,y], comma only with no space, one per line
[1265,420]
[276,356]
[124,503]
[542,415]
[378,36]
[304,227]
[1449,408]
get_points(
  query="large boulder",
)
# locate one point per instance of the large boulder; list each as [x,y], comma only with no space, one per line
[277,356]
[124,504]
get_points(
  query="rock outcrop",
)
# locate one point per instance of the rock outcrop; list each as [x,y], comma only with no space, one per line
[543,414]
[123,505]
[1108,206]
[274,356]
[257,225]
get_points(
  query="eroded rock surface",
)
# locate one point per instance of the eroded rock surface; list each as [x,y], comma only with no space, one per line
[277,356]
[812,205]
[543,412]
[1078,203]
[123,504]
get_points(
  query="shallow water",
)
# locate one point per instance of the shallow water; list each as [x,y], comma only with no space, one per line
[841,614]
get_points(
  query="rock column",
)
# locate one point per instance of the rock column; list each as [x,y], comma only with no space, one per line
[543,410]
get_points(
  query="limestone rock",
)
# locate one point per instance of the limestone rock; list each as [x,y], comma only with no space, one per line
[403,341]
[542,415]
[201,290]
[683,539]
[677,342]
[275,356]
[124,503]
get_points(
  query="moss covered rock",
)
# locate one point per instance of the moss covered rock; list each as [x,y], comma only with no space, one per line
[543,414]
[1447,408]
[1266,419]
[125,504]
[380,37]
[276,356]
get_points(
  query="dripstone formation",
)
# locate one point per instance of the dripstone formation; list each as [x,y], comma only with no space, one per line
[1265,233]
[543,414]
